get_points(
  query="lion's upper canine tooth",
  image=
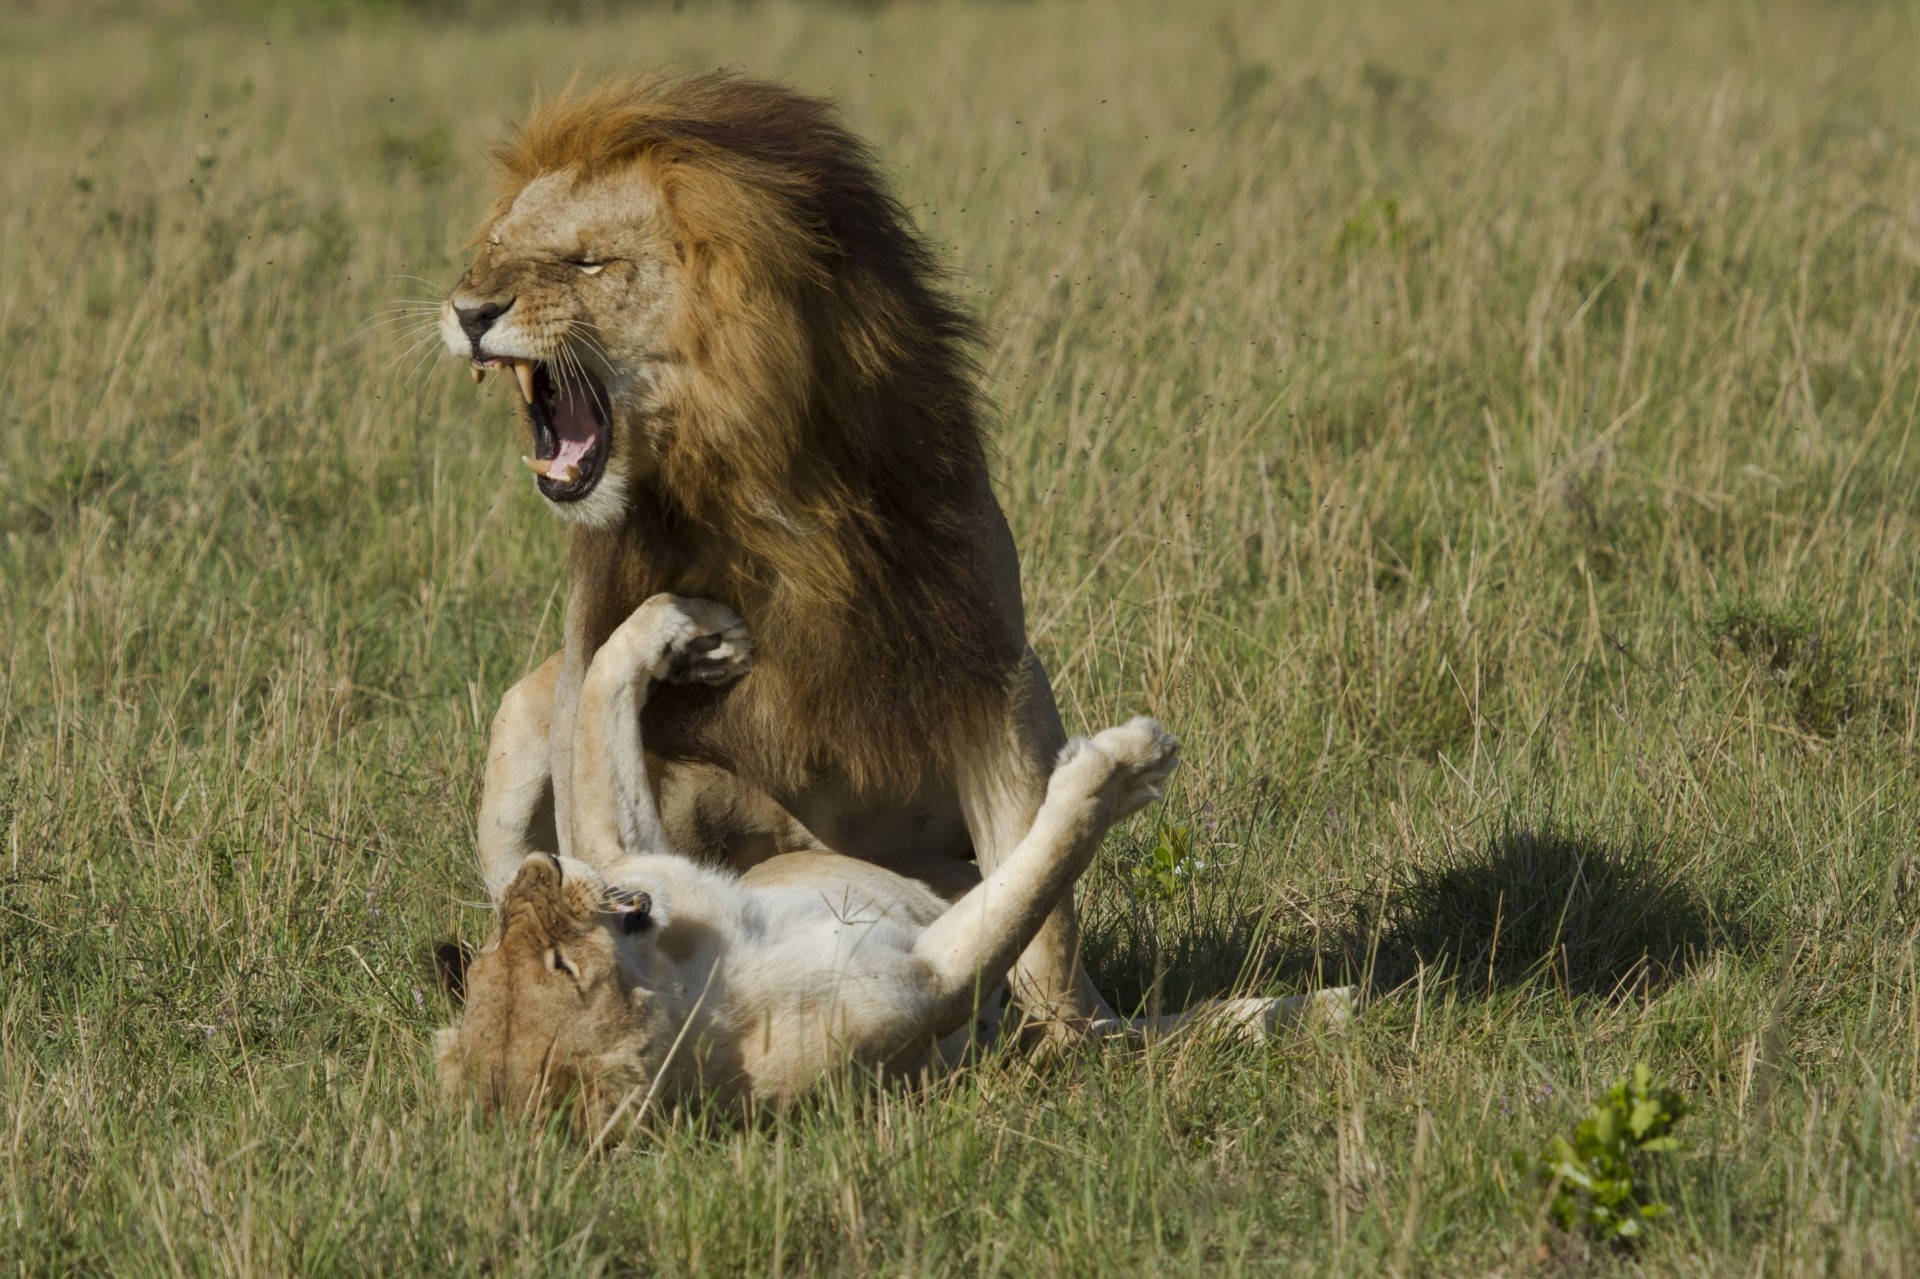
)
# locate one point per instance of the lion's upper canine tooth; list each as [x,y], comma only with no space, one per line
[523,374]
[479,374]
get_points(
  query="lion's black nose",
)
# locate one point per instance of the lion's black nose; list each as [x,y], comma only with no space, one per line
[476,320]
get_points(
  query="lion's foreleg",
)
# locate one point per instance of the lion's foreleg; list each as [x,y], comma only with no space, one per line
[1002,784]
[516,794]
[566,706]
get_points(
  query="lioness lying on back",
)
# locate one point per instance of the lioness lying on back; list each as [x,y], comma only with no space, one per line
[626,972]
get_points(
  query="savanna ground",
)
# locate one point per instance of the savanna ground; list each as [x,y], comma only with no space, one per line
[1486,434]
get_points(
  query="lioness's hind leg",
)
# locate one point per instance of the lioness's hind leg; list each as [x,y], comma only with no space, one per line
[1001,782]
[1097,782]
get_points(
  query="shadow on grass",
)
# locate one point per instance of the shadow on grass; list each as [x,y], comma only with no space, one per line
[1544,905]
[1529,905]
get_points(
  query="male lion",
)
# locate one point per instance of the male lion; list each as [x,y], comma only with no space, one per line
[745,381]
[629,972]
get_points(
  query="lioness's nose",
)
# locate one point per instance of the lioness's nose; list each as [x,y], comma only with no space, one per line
[476,320]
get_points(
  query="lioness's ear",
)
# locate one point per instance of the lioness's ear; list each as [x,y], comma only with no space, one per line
[446,1057]
[450,960]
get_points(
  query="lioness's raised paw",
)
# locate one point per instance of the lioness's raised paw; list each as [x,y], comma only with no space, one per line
[1145,755]
[684,640]
[707,643]
[1141,755]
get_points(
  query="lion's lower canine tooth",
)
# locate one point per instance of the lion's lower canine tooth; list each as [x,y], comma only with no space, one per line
[565,473]
[523,374]
[538,465]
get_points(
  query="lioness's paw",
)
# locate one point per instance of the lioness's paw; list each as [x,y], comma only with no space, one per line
[678,638]
[706,642]
[1261,1019]
[1139,755]
[1141,744]
[1144,756]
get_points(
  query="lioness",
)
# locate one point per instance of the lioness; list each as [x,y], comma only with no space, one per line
[745,380]
[635,973]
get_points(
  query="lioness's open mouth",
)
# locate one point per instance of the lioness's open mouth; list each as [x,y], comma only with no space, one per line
[572,427]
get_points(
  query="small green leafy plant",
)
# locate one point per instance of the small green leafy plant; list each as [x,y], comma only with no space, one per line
[1160,876]
[1598,1176]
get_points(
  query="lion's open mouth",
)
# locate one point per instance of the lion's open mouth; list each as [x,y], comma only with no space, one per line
[572,427]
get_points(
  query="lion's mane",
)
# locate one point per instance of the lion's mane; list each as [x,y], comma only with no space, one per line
[822,467]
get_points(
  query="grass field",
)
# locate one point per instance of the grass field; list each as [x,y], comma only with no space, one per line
[1485,433]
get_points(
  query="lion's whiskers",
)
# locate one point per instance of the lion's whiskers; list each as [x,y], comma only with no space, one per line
[420,352]
[437,289]
[413,347]
[412,324]
[592,342]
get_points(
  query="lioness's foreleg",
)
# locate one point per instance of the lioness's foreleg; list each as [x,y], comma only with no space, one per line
[667,638]
[516,793]
[1096,784]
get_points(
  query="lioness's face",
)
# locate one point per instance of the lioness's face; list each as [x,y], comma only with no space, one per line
[572,293]
[557,1004]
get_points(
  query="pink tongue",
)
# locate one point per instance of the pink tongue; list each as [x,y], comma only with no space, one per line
[576,423]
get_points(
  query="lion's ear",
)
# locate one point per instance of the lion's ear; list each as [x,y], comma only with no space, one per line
[450,962]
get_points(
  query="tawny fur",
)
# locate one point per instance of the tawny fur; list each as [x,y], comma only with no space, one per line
[639,974]
[795,432]
[806,446]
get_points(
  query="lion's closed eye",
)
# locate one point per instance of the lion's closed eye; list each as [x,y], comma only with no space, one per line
[559,963]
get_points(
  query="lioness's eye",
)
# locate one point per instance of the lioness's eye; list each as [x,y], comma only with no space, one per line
[587,266]
[559,964]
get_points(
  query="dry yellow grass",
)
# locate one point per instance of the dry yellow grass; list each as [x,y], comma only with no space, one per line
[1484,433]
